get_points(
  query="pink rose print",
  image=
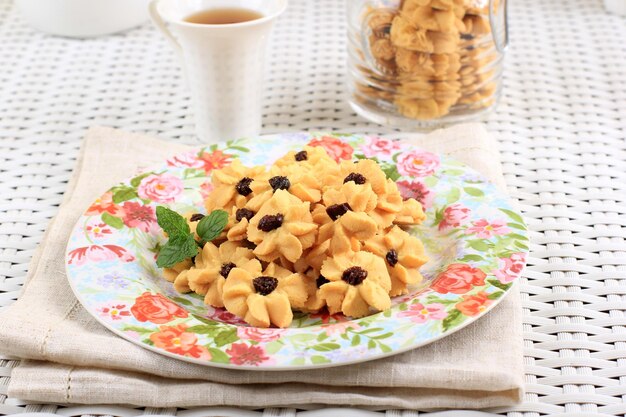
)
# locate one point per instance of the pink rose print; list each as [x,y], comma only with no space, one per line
[242,354]
[162,188]
[458,279]
[139,216]
[205,189]
[336,148]
[485,230]
[510,268]
[414,163]
[114,312]
[416,189]
[259,334]
[453,216]
[340,328]
[420,313]
[98,230]
[98,253]
[376,146]
[186,160]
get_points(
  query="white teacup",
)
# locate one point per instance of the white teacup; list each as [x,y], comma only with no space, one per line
[223,64]
[83,18]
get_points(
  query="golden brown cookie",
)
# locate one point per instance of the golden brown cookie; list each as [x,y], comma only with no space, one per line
[238,221]
[429,18]
[406,35]
[423,67]
[403,254]
[357,281]
[170,274]
[359,172]
[212,266]
[282,227]
[260,299]
[310,158]
[295,179]
[412,213]
[389,204]
[348,220]
[314,280]
[231,186]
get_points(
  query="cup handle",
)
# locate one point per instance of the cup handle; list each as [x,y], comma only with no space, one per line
[501,45]
[160,24]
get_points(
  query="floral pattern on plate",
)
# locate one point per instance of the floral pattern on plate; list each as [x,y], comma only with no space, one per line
[476,242]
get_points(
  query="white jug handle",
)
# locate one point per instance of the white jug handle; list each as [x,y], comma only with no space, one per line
[160,24]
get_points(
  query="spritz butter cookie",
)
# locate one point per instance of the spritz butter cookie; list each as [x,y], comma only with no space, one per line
[212,266]
[231,186]
[306,234]
[403,254]
[357,281]
[260,299]
[282,227]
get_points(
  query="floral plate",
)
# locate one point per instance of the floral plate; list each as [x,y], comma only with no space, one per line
[476,243]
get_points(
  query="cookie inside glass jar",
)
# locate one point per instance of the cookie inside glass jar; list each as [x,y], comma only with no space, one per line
[424,60]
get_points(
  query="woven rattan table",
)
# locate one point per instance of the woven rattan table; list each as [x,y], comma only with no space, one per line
[561,126]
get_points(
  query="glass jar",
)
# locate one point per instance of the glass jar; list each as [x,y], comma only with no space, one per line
[425,63]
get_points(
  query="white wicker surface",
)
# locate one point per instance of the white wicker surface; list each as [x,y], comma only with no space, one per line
[562,132]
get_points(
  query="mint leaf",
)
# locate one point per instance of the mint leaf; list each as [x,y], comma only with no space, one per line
[177,249]
[212,225]
[173,223]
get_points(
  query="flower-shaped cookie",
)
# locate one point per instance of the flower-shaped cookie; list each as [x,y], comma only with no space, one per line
[389,204]
[313,257]
[412,213]
[178,275]
[213,265]
[238,223]
[232,186]
[311,158]
[358,281]
[405,34]
[314,280]
[348,221]
[293,284]
[298,181]
[435,19]
[261,300]
[419,64]
[360,172]
[403,254]
[282,227]
[368,172]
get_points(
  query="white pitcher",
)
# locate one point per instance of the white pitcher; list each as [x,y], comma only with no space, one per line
[223,64]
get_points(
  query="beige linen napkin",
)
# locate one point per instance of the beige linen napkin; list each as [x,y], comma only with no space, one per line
[70,358]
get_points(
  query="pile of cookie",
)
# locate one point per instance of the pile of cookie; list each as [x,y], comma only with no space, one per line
[431,55]
[306,234]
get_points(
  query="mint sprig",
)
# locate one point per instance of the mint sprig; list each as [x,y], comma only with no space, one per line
[181,244]
[171,222]
[177,249]
[212,225]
